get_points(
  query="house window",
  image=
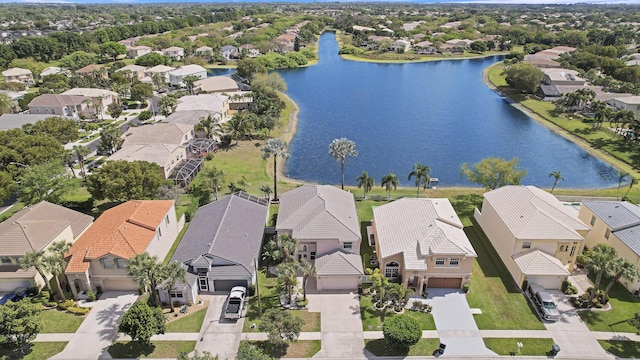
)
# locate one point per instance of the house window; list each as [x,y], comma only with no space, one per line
[6,260]
[593,220]
[347,246]
[312,255]
[526,245]
[166,219]
[302,248]
[121,263]
[176,294]
[391,270]
[440,261]
[106,263]
[564,248]
[159,232]
[607,234]
[454,262]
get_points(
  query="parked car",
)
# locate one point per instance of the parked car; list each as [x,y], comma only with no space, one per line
[544,302]
[235,303]
[15,296]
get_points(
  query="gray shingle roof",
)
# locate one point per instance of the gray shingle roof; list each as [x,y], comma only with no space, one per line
[622,217]
[16,121]
[339,262]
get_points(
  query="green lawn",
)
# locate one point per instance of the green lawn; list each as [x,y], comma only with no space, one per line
[530,347]
[299,349]
[623,307]
[622,349]
[55,321]
[373,319]
[37,351]
[424,347]
[9,213]
[189,323]
[157,349]
[176,242]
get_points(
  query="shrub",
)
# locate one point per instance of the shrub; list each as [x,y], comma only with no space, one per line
[465,287]
[33,291]
[300,302]
[401,331]
[144,115]
[91,296]
[251,289]
[77,310]
[66,304]
[50,304]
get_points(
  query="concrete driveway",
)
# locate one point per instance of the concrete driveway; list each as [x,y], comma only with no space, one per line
[219,335]
[341,327]
[99,329]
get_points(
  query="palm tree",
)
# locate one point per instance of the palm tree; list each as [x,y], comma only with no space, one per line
[237,127]
[286,273]
[81,152]
[287,245]
[266,190]
[189,81]
[68,157]
[35,259]
[55,265]
[622,176]
[339,149]
[421,172]
[307,269]
[557,176]
[215,178]
[175,273]
[210,126]
[365,182]
[389,181]
[276,148]
[148,272]
[620,268]
[632,182]
[598,260]
[158,80]
[271,252]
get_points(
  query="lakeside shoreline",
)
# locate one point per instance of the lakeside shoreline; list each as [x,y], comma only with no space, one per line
[350,57]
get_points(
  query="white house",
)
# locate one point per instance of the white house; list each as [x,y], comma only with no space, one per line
[176,76]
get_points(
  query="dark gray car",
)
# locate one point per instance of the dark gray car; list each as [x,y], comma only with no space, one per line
[544,302]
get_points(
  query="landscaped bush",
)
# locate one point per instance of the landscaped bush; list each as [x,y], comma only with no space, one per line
[401,331]
[144,115]
[423,307]
[568,288]
[251,289]
[465,287]
[44,296]
[91,296]
[77,310]
[50,304]
[65,305]
[300,302]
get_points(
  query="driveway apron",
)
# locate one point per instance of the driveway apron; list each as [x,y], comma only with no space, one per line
[456,327]
[99,329]
[341,327]
[219,335]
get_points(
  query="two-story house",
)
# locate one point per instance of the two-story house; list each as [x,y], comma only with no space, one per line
[250,50]
[136,72]
[94,71]
[229,52]
[174,53]
[18,75]
[57,105]
[176,77]
[134,52]
[100,99]
[400,46]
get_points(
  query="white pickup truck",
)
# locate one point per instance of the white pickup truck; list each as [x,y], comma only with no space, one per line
[235,303]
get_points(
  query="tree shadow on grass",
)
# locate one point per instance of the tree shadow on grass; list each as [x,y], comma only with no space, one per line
[15,354]
[380,347]
[130,350]
[623,349]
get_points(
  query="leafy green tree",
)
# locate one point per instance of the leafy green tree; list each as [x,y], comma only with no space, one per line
[493,173]
[148,272]
[29,149]
[77,60]
[421,173]
[248,351]
[141,91]
[599,260]
[114,110]
[280,326]
[197,356]
[247,68]
[618,269]
[339,149]
[214,178]
[5,103]
[167,104]
[7,186]
[123,180]
[64,130]
[54,84]
[44,182]
[478,46]
[158,80]
[110,140]
[308,270]
[20,324]
[389,181]
[141,322]
[144,115]
[365,182]
[152,59]
[174,273]
[402,331]
[35,259]
[557,176]
[524,77]
[112,49]
[275,148]
[238,127]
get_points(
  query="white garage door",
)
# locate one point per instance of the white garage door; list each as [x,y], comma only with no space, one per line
[8,285]
[547,282]
[338,283]
[120,285]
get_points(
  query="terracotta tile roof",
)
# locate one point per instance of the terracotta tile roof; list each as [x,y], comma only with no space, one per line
[124,231]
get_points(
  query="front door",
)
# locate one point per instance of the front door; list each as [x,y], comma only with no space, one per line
[203,283]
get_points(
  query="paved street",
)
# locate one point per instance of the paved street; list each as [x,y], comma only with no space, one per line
[218,335]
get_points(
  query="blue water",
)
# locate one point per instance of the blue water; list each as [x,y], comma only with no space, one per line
[440,114]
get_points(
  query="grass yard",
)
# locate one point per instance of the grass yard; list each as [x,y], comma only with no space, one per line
[299,349]
[157,349]
[623,307]
[373,319]
[424,347]
[189,323]
[37,351]
[56,321]
[176,242]
[530,347]
[9,213]
[622,349]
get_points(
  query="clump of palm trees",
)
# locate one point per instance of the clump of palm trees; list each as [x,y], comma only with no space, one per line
[387,294]
[149,273]
[49,261]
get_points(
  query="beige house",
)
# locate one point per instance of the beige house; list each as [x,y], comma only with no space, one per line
[215,84]
[250,50]
[134,52]
[18,75]
[100,98]
[35,228]
[174,52]
[204,51]
[615,223]
[159,133]
[627,103]
[401,46]
[58,105]
[177,76]
[159,69]
[95,71]
[536,236]
[137,71]
[167,156]
[422,242]
[213,103]
[99,257]
[323,219]
[555,76]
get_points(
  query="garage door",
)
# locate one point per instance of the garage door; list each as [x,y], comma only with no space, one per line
[226,285]
[547,282]
[449,283]
[7,286]
[119,285]
[338,283]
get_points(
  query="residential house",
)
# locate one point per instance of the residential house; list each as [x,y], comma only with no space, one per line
[53,70]
[215,84]
[536,236]
[425,47]
[541,62]
[137,72]
[627,103]
[100,98]
[229,52]
[134,52]
[323,219]
[213,103]
[615,223]
[285,43]
[250,50]
[176,76]
[18,75]
[166,156]
[401,46]
[374,41]
[159,133]
[58,105]
[174,53]
[159,69]
[35,228]
[98,259]
[554,76]
[95,71]
[363,28]
[204,51]
[422,242]
[455,45]
[221,247]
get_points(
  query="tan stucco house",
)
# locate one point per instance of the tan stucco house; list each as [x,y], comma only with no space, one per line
[137,71]
[100,98]
[536,236]
[421,241]
[615,223]
[35,228]
[18,75]
[58,105]
[323,219]
[98,259]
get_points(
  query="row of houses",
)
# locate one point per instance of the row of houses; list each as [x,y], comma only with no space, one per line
[423,47]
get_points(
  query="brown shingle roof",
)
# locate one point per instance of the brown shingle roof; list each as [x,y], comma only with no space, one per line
[88,69]
[56,100]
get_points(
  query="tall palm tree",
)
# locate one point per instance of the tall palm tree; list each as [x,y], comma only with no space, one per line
[288,245]
[175,273]
[266,189]
[620,268]
[276,148]
[421,173]
[215,178]
[271,252]
[365,182]
[308,270]
[189,82]
[598,260]
[81,152]
[55,265]
[622,176]
[557,176]
[210,125]
[389,181]
[339,149]
[158,80]
[237,127]
[35,259]
[287,275]
[68,159]
[148,272]
[601,112]
[632,181]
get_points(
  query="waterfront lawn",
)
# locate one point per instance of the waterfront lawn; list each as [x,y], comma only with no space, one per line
[56,321]
[424,347]
[300,349]
[494,291]
[621,349]
[530,347]
[373,319]
[36,351]
[157,349]
[189,323]
[623,307]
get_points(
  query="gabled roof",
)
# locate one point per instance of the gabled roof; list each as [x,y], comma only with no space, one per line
[173,49]
[321,212]
[160,69]
[132,68]
[216,84]
[157,133]
[537,262]
[419,228]
[89,68]
[160,154]
[35,226]
[90,92]
[124,231]
[189,117]
[57,100]
[339,262]
[185,70]
[16,71]
[622,217]
[532,213]
[206,102]
[230,229]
